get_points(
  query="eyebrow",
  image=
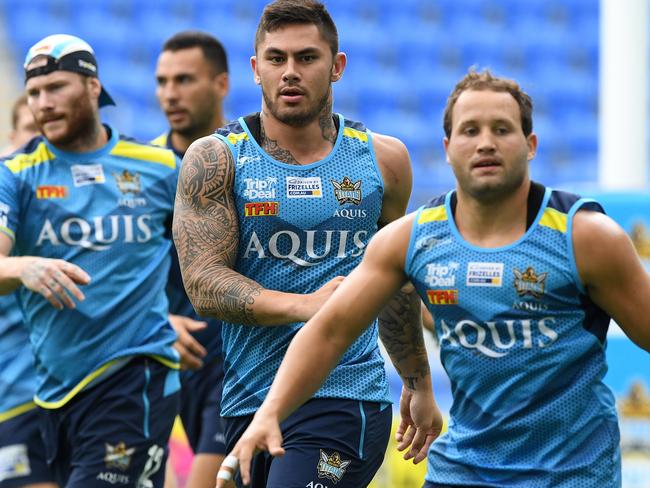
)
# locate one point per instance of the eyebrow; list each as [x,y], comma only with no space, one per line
[302,52]
[496,121]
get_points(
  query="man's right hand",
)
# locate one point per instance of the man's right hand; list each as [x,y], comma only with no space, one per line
[420,425]
[190,350]
[312,302]
[55,279]
[263,434]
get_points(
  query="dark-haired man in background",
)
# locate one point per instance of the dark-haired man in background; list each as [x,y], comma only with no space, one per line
[192,80]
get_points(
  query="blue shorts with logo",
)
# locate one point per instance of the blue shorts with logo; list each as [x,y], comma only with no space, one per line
[22,452]
[115,433]
[201,406]
[328,443]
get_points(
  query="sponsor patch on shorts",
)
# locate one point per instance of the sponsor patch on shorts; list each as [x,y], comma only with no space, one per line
[14,462]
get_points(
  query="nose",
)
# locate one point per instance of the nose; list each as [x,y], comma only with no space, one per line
[44,101]
[168,91]
[290,73]
[486,142]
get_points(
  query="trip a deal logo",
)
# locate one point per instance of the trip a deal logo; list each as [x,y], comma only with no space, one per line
[442,276]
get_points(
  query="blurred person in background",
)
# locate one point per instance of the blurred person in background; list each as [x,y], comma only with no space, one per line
[521,281]
[192,81]
[23,461]
[23,126]
[99,206]
[269,214]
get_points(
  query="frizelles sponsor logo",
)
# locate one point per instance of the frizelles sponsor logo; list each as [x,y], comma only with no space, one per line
[484,274]
[442,297]
[346,191]
[298,187]
[530,283]
[307,248]
[261,209]
[4,214]
[496,339]
[45,192]
[97,234]
[255,189]
[87,174]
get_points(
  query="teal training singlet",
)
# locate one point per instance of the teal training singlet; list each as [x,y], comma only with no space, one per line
[299,227]
[524,348]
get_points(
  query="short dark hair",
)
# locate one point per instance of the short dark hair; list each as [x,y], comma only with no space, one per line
[283,12]
[484,80]
[212,49]
[20,101]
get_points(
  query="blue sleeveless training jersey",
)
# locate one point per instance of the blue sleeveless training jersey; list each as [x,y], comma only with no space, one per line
[107,211]
[17,374]
[524,348]
[299,227]
[179,302]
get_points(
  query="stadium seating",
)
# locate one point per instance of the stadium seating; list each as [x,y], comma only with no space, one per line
[404,58]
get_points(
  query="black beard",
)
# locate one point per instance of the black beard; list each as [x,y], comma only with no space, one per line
[298,119]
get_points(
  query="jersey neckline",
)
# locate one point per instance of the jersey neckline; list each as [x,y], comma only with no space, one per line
[102,151]
[461,240]
[299,167]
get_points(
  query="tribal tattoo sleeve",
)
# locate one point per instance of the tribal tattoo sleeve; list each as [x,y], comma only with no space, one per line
[206,234]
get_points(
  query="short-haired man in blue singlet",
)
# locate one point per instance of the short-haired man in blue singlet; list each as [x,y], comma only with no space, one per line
[521,281]
[270,212]
[192,81]
[84,219]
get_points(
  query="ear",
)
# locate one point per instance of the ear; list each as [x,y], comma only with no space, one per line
[256,74]
[221,84]
[445,143]
[338,67]
[531,141]
[95,86]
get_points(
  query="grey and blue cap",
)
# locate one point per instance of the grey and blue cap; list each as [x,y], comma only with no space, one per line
[66,53]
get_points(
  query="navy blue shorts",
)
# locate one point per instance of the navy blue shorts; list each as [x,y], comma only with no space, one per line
[200,407]
[115,434]
[327,442]
[22,452]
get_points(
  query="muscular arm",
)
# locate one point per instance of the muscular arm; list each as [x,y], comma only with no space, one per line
[206,235]
[612,274]
[400,322]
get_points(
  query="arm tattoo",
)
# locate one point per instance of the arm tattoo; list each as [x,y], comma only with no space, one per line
[206,234]
[273,149]
[400,330]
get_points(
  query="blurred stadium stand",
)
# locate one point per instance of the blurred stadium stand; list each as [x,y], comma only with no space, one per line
[404,58]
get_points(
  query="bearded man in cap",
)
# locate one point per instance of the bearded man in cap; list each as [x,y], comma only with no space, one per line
[89,266]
